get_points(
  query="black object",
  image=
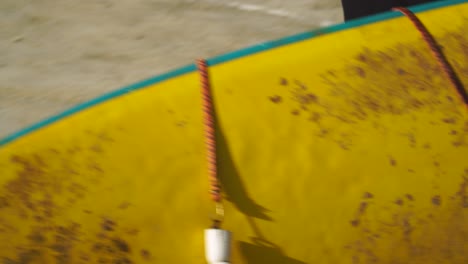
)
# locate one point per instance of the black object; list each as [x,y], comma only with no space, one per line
[360,8]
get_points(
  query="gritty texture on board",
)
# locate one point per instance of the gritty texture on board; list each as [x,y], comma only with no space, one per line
[43,193]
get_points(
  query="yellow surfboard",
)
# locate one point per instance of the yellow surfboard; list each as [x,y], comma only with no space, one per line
[343,145]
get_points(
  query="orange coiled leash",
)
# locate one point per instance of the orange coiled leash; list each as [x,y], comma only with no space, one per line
[210,131]
[217,241]
[437,52]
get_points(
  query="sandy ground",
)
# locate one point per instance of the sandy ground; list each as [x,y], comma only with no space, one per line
[55,54]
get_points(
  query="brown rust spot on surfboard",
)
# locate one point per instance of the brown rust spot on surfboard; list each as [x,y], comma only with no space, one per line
[415,238]
[436,200]
[37,237]
[305,99]
[108,225]
[401,71]
[386,86]
[96,148]
[124,205]
[276,99]
[390,89]
[40,195]
[61,243]
[462,193]
[64,241]
[399,202]
[33,189]
[355,222]
[361,72]
[284,81]
[360,213]
[121,245]
[111,244]
[30,179]
[410,197]
[145,254]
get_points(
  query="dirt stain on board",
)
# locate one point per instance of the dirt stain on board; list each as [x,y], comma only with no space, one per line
[439,237]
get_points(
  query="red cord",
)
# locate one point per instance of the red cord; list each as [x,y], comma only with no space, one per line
[437,51]
[210,132]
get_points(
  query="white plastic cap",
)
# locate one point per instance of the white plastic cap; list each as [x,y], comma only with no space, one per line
[217,246]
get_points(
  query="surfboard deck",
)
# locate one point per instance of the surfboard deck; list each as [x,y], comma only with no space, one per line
[343,145]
